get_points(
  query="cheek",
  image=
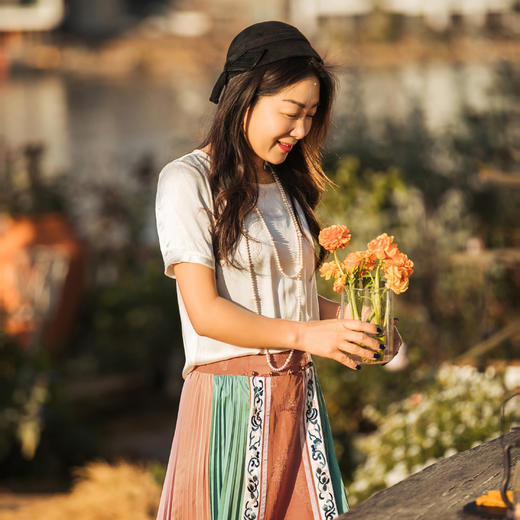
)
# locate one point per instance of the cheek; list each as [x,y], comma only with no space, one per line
[264,129]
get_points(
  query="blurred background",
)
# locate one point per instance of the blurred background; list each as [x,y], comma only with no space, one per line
[97,95]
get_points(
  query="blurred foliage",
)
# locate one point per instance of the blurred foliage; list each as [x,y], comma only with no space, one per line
[22,187]
[128,324]
[459,409]
[40,433]
[439,163]
[348,392]
[24,390]
[427,191]
[398,178]
[132,324]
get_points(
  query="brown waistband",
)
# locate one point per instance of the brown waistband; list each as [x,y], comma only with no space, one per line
[256,365]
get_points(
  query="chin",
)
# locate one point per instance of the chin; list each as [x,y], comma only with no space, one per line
[277,159]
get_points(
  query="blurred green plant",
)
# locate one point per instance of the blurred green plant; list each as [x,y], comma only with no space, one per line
[442,313]
[428,191]
[132,325]
[347,393]
[40,433]
[459,409]
[128,324]
[24,391]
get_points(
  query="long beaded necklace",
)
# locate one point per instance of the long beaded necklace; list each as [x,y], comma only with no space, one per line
[297,276]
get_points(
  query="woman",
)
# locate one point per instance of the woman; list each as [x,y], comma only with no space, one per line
[237,230]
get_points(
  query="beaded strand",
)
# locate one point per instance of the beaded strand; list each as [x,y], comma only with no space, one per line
[296,276]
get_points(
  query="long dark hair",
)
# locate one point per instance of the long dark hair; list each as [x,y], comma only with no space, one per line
[232,174]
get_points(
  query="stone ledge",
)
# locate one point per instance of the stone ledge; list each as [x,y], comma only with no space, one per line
[441,490]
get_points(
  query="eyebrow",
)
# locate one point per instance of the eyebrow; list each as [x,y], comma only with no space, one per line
[302,105]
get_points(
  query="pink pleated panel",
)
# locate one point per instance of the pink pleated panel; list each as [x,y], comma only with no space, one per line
[185,492]
[165,505]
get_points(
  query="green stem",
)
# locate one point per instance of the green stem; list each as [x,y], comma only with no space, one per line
[376,298]
[387,310]
[338,262]
[354,311]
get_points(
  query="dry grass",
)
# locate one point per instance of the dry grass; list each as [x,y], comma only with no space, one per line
[102,492]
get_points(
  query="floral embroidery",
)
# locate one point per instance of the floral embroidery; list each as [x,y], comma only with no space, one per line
[252,506]
[315,445]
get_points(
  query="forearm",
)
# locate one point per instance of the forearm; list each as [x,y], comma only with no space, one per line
[223,320]
[328,308]
[216,317]
[248,329]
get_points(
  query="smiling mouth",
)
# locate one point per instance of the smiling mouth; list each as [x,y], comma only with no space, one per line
[286,148]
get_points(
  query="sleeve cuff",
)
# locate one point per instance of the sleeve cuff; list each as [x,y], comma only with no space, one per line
[172,257]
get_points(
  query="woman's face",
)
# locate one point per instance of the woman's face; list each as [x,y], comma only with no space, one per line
[277,122]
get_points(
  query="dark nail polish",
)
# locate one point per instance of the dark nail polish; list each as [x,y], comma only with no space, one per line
[358,367]
[382,346]
[379,331]
[376,355]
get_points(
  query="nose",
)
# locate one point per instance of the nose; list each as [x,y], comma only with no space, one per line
[301,127]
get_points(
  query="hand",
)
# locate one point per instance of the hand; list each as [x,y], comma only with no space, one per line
[338,340]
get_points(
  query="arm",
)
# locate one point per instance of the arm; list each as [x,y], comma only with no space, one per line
[220,319]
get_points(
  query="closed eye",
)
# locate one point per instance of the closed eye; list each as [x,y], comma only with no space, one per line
[296,116]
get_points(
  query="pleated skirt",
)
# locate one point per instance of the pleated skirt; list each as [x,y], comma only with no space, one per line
[252,444]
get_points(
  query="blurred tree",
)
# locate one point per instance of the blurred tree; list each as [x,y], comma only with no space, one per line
[428,191]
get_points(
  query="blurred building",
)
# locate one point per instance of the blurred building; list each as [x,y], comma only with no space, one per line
[473,15]
[441,14]
[21,16]
[33,15]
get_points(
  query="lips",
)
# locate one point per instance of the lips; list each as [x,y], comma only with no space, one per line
[285,147]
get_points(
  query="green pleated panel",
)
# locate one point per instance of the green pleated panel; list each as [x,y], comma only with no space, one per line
[335,473]
[229,421]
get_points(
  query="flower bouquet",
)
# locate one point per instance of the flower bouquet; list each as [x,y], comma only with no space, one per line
[366,281]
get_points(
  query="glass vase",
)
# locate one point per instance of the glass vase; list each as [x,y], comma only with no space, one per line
[375,305]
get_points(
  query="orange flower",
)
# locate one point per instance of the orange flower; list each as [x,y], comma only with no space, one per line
[329,269]
[353,261]
[396,278]
[370,260]
[334,237]
[340,282]
[382,246]
[401,261]
[397,285]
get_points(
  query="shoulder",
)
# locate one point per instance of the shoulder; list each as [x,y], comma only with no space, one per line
[189,172]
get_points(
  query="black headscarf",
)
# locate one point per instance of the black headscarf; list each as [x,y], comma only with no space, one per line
[260,44]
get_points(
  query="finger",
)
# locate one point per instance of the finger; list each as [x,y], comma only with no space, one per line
[346,360]
[356,350]
[362,326]
[362,339]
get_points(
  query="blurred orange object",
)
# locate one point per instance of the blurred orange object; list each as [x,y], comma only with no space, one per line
[493,499]
[41,278]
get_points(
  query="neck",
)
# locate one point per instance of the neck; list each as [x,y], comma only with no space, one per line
[264,174]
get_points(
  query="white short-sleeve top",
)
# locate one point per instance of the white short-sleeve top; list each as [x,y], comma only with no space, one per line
[184,206]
